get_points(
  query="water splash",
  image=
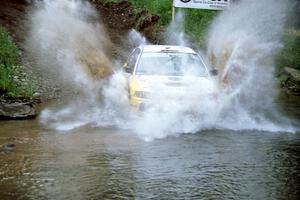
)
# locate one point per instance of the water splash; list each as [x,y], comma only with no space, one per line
[135,39]
[241,44]
[175,34]
[68,40]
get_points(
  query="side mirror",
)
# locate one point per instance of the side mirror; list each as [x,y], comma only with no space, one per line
[128,70]
[214,72]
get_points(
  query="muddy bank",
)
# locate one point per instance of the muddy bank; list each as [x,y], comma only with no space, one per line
[12,16]
[120,18]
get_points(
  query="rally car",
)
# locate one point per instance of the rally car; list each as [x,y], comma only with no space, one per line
[164,71]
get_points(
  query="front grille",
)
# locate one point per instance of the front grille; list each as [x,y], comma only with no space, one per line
[174,84]
[142,107]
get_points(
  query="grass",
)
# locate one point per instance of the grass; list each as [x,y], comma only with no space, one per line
[8,49]
[9,86]
[162,8]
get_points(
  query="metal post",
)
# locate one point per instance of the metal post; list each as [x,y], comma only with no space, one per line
[173,13]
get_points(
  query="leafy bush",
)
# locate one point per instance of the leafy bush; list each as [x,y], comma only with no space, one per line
[9,87]
[8,49]
[162,8]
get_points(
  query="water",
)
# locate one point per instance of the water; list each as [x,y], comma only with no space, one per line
[107,163]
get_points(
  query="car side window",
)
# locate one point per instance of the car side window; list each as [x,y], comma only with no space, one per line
[132,60]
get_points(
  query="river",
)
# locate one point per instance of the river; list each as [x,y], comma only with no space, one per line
[109,163]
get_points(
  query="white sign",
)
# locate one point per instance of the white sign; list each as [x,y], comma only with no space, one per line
[202,4]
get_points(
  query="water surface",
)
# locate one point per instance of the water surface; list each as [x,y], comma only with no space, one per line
[107,163]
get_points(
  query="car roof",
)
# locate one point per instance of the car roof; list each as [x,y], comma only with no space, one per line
[166,48]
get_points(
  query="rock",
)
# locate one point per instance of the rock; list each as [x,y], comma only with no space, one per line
[8,148]
[17,110]
[291,80]
[292,73]
[36,95]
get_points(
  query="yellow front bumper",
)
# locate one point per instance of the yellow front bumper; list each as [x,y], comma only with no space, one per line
[138,103]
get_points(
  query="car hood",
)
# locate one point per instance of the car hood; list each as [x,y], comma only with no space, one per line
[176,84]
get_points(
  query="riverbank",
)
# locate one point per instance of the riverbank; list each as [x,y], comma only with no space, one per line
[17,100]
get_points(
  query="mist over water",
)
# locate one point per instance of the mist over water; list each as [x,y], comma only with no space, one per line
[175,32]
[69,41]
[241,44]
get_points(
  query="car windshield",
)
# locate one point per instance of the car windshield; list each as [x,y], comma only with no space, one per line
[171,64]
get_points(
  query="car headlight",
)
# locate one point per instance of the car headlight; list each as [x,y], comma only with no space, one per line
[141,94]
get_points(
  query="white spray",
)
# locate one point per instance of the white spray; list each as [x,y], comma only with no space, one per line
[241,44]
[68,40]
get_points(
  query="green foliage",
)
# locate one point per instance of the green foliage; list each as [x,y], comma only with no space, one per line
[162,8]
[105,1]
[10,86]
[8,50]
[197,23]
[6,80]
[8,70]
[289,56]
